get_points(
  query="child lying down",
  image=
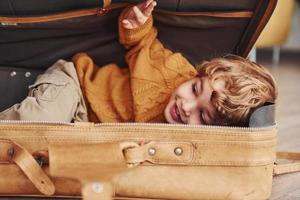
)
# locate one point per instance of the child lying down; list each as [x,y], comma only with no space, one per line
[158,85]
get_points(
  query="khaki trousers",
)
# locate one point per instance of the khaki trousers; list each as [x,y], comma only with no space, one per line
[55,96]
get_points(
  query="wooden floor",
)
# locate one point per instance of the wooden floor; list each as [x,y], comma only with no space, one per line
[287,75]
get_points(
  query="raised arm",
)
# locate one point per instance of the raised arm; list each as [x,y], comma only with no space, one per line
[154,70]
[135,23]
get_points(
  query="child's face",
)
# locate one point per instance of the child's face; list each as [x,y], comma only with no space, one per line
[191,102]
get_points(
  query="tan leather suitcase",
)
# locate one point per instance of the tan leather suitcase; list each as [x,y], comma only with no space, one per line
[133,160]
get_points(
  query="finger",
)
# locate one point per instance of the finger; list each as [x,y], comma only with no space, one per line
[144,5]
[126,24]
[148,2]
[140,17]
[149,9]
[129,24]
[138,13]
[134,23]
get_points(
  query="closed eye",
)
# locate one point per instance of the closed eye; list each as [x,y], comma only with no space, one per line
[202,118]
[194,89]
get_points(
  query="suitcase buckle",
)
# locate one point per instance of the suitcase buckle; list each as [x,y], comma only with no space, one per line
[102,11]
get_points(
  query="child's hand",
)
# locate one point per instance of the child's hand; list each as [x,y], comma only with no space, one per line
[139,14]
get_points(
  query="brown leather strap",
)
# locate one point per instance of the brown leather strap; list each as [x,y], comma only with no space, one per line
[157,152]
[21,157]
[288,167]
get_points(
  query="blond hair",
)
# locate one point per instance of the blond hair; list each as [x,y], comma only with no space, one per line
[247,87]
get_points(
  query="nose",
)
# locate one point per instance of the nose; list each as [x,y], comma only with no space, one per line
[188,106]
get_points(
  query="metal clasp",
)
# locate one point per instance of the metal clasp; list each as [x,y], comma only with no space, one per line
[41,157]
[102,11]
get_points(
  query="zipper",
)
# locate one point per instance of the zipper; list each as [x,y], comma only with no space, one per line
[20,122]
[165,125]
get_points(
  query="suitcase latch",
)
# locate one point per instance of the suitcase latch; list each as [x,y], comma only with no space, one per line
[102,11]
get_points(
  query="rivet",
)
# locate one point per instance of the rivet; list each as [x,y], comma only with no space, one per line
[11,151]
[13,73]
[97,187]
[178,151]
[27,74]
[151,151]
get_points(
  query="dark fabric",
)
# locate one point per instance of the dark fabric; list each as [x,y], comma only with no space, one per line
[39,45]
[42,7]
[200,37]
[14,84]
[217,5]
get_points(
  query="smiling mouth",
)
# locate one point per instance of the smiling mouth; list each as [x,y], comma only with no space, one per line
[175,114]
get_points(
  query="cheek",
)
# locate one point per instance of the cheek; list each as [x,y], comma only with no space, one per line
[170,103]
[173,95]
[184,90]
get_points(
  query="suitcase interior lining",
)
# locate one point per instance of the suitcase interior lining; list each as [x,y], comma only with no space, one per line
[35,46]
[35,7]
[38,45]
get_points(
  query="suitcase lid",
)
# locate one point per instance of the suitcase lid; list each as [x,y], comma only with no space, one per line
[198,29]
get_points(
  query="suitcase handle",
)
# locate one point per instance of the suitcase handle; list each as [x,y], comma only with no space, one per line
[11,152]
[288,167]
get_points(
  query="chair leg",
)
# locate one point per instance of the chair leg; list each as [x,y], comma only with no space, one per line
[275,55]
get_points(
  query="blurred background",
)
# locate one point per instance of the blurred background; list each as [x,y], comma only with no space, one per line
[278,48]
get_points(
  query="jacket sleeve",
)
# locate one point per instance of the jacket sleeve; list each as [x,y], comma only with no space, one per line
[131,37]
[154,70]
[146,57]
